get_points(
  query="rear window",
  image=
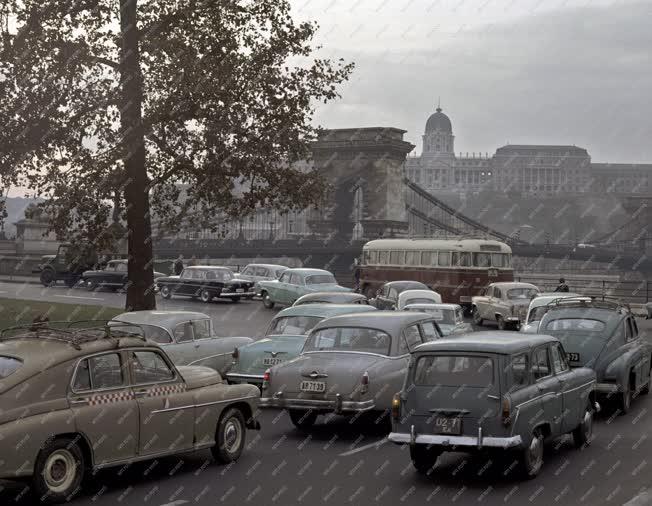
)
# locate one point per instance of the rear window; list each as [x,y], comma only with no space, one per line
[576,324]
[8,365]
[454,370]
[418,300]
[320,279]
[349,339]
[521,293]
[294,325]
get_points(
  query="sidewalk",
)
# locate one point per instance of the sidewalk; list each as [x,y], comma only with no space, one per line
[32,280]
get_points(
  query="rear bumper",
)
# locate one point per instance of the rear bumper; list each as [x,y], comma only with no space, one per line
[456,441]
[247,295]
[236,377]
[607,388]
[324,406]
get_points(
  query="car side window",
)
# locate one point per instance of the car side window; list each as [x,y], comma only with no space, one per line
[558,359]
[497,293]
[183,332]
[411,338]
[629,330]
[541,364]
[262,272]
[149,367]
[82,377]
[284,277]
[249,271]
[121,267]
[429,331]
[186,274]
[520,370]
[634,326]
[295,279]
[393,294]
[201,329]
[99,372]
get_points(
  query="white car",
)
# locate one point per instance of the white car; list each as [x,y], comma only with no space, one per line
[538,307]
[505,303]
[449,317]
[417,297]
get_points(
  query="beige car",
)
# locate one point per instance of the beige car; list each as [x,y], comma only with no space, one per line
[74,401]
[505,303]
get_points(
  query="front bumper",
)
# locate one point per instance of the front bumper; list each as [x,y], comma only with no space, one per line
[607,388]
[325,406]
[237,377]
[478,442]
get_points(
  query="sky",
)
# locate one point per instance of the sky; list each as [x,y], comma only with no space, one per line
[506,71]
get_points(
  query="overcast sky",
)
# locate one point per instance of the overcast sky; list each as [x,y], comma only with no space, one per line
[507,71]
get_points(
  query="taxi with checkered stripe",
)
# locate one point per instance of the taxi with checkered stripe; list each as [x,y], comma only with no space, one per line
[104,396]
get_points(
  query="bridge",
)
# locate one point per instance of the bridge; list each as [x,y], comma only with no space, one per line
[372,198]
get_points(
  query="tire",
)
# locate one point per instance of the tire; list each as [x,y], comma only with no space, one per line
[267,302]
[91,286]
[625,399]
[646,389]
[502,325]
[206,296]
[230,437]
[302,419]
[48,278]
[424,458]
[584,431]
[235,299]
[165,292]
[532,457]
[475,314]
[59,471]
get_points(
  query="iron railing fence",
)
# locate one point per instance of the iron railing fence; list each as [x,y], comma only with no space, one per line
[631,291]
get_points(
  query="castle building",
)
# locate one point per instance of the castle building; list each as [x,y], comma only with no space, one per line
[541,170]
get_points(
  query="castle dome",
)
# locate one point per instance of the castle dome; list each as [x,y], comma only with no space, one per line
[439,121]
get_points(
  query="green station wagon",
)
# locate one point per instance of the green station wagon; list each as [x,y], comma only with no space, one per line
[283,340]
[491,390]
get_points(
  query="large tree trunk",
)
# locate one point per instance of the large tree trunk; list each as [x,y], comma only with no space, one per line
[140,293]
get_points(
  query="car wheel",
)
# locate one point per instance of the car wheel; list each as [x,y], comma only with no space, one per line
[475,313]
[59,471]
[532,460]
[166,293]
[267,301]
[501,322]
[235,299]
[206,296]
[646,389]
[230,438]
[424,458]
[91,285]
[303,419]
[583,432]
[625,400]
[47,278]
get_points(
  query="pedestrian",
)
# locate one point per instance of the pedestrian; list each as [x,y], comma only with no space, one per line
[357,272]
[562,287]
[178,265]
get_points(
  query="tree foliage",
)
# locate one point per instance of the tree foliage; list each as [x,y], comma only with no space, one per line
[220,93]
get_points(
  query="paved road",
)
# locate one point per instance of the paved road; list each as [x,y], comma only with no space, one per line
[339,462]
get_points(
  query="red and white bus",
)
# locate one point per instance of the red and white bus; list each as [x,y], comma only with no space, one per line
[456,268]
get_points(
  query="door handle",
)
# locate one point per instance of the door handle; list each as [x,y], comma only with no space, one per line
[79,402]
[141,392]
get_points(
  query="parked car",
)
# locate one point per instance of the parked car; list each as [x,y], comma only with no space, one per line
[538,307]
[449,317]
[504,303]
[491,390]
[187,337]
[113,275]
[352,363]
[283,340]
[294,283]
[417,297]
[261,272]
[94,398]
[604,336]
[332,298]
[206,283]
[387,295]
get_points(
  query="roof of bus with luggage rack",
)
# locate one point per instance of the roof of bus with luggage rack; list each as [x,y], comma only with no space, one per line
[438,244]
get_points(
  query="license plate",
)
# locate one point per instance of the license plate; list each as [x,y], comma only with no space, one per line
[313,386]
[573,357]
[272,361]
[239,290]
[448,425]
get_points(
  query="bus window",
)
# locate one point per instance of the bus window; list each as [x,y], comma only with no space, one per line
[396,257]
[481,259]
[498,260]
[455,259]
[382,257]
[444,259]
[465,259]
[425,258]
[411,258]
[372,257]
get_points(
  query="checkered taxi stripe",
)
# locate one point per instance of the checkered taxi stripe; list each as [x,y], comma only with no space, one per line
[127,395]
[166,390]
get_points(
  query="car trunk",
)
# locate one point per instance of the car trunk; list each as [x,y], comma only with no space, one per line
[582,349]
[265,353]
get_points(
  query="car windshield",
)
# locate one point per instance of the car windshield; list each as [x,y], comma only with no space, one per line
[454,370]
[219,274]
[8,365]
[537,313]
[320,279]
[575,325]
[521,293]
[156,334]
[349,339]
[293,325]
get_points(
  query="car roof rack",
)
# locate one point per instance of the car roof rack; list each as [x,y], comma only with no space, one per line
[594,301]
[68,334]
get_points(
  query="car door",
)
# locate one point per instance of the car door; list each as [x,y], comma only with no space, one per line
[392,299]
[121,274]
[295,288]
[182,351]
[483,302]
[210,351]
[640,361]
[278,290]
[549,388]
[166,410]
[104,408]
[572,405]
[184,284]
[396,367]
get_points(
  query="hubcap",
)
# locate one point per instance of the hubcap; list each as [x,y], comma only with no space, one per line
[205,296]
[232,435]
[60,471]
[588,425]
[535,452]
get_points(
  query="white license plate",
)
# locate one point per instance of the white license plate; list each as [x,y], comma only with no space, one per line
[313,386]
[272,361]
[239,290]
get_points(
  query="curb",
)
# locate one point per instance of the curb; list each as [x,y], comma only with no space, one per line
[26,280]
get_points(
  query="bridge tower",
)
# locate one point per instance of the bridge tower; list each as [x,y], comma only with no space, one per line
[365,167]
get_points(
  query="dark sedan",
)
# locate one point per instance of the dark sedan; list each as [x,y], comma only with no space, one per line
[114,275]
[387,295]
[206,283]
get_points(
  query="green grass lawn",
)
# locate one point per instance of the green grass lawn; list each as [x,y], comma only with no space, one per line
[19,312]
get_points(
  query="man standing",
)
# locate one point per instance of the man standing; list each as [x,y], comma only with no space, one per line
[178,265]
[562,287]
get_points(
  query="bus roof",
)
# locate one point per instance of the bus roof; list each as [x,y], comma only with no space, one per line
[484,245]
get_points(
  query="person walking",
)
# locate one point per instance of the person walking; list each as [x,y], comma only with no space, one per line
[357,271]
[178,265]
[562,287]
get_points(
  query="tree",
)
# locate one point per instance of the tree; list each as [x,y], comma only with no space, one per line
[197,108]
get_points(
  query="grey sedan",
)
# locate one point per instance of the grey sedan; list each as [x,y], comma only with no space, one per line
[351,364]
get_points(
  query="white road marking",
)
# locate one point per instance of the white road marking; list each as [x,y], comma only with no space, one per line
[175,503]
[376,444]
[78,297]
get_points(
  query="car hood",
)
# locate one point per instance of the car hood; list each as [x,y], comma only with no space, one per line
[251,359]
[197,376]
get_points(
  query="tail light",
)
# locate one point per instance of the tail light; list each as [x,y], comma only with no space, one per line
[506,411]
[235,354]
[365,383]
[396,407]
[266,379]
